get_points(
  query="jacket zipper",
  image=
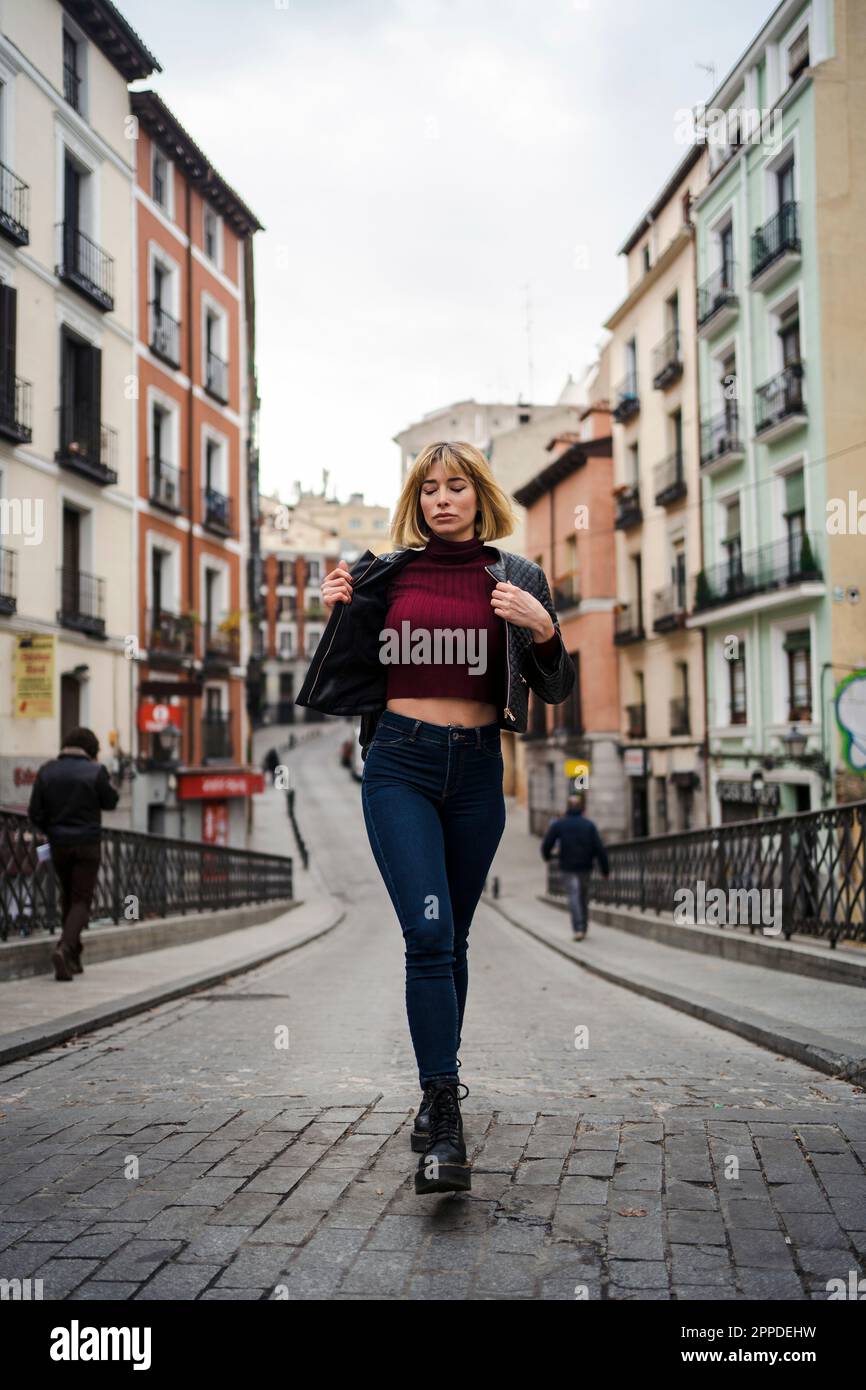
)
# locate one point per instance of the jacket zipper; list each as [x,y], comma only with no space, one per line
[337,624]
[506,710]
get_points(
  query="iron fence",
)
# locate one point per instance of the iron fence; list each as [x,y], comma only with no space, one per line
[815,859]
[140,876]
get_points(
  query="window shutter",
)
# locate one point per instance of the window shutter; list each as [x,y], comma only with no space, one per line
[8,300]
[797,641]
[795,492]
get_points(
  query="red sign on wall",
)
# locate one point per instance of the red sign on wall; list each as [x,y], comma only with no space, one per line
[215,823]
[197,786]
[154,716]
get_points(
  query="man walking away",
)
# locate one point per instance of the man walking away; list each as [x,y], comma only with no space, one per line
[66,804]
[579,845]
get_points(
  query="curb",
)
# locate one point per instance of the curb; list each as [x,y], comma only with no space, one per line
[25,1041]
[819,1050]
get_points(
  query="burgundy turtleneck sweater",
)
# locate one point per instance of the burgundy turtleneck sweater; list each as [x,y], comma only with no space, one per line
[445,586]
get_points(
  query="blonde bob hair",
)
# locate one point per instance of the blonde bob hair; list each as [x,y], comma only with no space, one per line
[495,517]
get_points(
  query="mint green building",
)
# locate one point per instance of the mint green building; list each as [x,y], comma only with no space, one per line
[762,596]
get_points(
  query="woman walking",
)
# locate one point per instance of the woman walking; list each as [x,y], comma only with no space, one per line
[436,645]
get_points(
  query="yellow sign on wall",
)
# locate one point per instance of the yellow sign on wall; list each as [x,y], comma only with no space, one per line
[34,677]
[578,767]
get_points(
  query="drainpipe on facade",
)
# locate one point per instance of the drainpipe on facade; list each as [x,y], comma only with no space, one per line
[190,433]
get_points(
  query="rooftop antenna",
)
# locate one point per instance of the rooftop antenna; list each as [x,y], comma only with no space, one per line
[711,69]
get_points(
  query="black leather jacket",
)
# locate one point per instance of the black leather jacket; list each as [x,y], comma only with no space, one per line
[346,676]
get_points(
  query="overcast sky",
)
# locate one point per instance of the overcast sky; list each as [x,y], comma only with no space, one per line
[417,164]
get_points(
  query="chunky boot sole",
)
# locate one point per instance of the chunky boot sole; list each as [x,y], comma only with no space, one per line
[62,970]
[453,1177]
[419,1141]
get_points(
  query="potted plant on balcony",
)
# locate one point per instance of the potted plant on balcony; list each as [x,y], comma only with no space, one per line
[703,592]
[807,565]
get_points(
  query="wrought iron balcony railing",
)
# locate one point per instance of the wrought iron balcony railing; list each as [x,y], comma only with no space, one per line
[82,601]
[216,377]
[717,293]
[776,566]
[628,508]
[84,265]
[628,625]
[669,608]
[170,636]
[8,562]
[780,398]
[216,511]
[635,720]
[566,593]
[86,446]
[680,722]
[667,362]
[669,480]
[221,643]
[164,334]
[778,235]
[167,486]
[15,409]
[627,399]
[216,735]
[14,207]
[720,437]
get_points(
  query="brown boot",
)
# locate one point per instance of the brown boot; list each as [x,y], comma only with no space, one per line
[62,962]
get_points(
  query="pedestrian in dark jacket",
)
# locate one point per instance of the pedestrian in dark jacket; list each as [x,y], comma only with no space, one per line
[579,846]
[66,804]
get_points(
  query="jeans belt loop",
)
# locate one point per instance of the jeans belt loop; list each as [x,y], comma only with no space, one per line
[415,729]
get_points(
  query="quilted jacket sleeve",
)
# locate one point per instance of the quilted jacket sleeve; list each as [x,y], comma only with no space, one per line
[552,680]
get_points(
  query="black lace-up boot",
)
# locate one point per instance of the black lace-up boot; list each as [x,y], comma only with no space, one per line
[443,1166]
[421,1130]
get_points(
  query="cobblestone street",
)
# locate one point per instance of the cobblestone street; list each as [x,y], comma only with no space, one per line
[186,1153]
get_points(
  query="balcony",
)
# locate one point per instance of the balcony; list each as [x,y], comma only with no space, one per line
[717,305]
[721,444]
[15,413]
[164,334]
[281,712]
[216,511]
[628,509]
[221,644]
[669,483]
[314,610]
[86,446]
[167,486]
[680,722]
[776,247]
[216,377]
[669,608]
[85,266]
[635,721]
[779,405]
[770,568]
[628,625]
[565,593]
[216,736]
[170,637]
[667,363]
[82,601]
[14,207]
[8,561]
[627,399]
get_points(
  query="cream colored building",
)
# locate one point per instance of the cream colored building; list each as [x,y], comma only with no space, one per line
[473,422]
[67,441]
[359,525]
[656,443]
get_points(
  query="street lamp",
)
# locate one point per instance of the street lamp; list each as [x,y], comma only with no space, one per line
[795,742]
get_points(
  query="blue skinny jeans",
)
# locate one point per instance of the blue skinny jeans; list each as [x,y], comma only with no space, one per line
[435,812]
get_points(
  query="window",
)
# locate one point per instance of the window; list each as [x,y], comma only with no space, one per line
[71,71]
[286,573]
[677,432]
[646,257]
[798,55]
[633,465]
[728,388]
[686,803]
[789,336]
[160,178]
[797,647]
[795,517]
[737,687]
[785,184]
[732,540]
[631,363]
[212,235]
[661,805]
[726,256]
[678,573]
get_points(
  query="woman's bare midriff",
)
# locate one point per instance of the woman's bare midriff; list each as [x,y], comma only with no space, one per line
[466,713]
